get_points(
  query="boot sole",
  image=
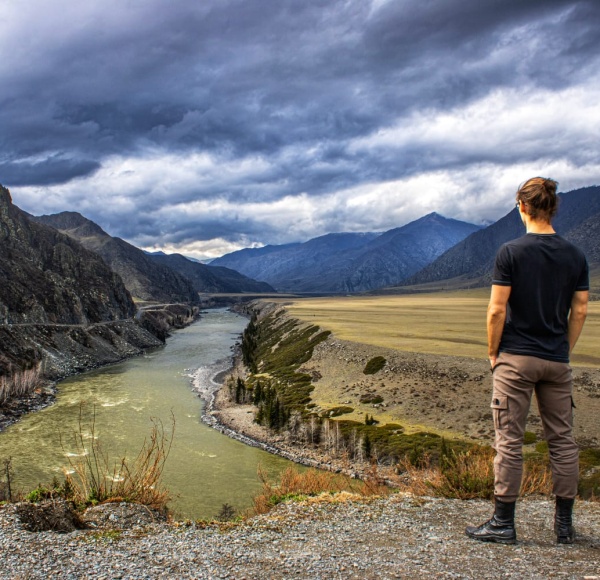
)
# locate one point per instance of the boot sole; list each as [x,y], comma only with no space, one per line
[492,540]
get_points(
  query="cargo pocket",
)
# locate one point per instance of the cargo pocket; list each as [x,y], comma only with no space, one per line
[500,411]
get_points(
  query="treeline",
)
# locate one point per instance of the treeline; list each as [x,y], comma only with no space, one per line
[271,411]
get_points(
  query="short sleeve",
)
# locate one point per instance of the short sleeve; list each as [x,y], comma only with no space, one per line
[583,283]
[502,268]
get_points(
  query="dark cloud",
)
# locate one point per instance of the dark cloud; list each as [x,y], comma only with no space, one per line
[248,102]
[50,171]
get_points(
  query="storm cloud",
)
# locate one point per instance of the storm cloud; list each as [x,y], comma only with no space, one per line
[204,127]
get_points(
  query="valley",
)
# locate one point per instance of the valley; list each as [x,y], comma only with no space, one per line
[436,377]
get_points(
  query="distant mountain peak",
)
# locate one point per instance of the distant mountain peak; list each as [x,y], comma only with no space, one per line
[351,262]
[72,220]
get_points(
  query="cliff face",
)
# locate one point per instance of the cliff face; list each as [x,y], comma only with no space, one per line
[46,277]
[60,304]
[142,276]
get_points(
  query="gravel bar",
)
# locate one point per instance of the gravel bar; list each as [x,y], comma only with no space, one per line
[329,537]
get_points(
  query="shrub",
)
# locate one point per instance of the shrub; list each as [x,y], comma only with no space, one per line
[337,411]
[312,482]
[371,399]
[20,384]
[469,475]
[226,513]
[374,365]
[95,479]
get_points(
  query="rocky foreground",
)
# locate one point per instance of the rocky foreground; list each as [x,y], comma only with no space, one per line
[343,537]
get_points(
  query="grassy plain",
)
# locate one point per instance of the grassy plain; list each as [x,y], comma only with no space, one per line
[450,323]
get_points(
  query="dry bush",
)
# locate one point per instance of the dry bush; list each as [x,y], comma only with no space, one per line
[470,475]
[95,479]
[537,478]
[19,384]
[293,483]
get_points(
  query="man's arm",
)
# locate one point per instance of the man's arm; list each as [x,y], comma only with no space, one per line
[496,315]
[579,305]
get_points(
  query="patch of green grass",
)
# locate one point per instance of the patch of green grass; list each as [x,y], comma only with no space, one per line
[389,443]
[278,347]
[40,493]
[337,411]
[374,365]
[529,438]
[589,480]
[106,536]
[589,457]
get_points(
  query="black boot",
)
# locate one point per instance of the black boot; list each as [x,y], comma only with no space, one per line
[500,528]
[563,521]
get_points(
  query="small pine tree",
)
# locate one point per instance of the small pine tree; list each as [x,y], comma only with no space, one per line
[367,447]
[226,513]
[257,394]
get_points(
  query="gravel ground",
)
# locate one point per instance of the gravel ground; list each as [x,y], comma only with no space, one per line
[397,537]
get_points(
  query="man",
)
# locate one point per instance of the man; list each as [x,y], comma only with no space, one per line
[537,308]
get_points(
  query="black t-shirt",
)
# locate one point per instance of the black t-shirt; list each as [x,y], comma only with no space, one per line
[543,271]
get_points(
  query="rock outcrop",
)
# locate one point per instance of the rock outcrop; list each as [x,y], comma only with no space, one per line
[146,279]
[46,277]
[62,309]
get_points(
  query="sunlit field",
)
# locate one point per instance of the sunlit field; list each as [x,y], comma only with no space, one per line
[451,323]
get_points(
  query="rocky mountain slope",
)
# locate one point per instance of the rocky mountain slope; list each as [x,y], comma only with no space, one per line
[347,262]
[144,278]
[45,276]
[211,279]
[472,258]
[155,277]
[60,304]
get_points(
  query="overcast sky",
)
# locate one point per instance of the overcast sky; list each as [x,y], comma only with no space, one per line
[206,126]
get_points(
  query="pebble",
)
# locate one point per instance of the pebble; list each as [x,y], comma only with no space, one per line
[395,537]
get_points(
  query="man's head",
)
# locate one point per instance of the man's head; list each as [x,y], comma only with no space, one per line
[539,199]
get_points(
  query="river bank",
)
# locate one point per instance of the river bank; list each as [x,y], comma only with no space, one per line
[67,350]
[237,421]
[445,395]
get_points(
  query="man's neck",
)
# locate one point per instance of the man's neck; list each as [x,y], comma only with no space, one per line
[539,227]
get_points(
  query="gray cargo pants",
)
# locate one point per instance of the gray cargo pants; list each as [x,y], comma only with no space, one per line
[516,377]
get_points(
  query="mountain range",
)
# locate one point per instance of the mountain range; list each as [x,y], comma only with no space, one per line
[151,277]
[578,220]
[351,262]
[426,251]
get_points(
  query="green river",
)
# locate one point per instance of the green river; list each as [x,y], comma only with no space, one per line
[205,469]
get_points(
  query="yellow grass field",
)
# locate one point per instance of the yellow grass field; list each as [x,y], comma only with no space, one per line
[451,323]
